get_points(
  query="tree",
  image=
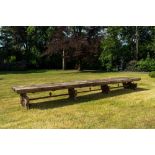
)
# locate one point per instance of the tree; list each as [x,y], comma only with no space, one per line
[23,44]
[83,40]
[137,38]
[12,42]
[37,38]
[81,47]
[112,53]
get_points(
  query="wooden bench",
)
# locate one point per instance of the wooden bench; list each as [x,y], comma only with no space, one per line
[127,83]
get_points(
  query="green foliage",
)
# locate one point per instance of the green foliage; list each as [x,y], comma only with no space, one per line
[12,59]
[110,48]
[22,43]
[28,44]
[152,74]
[132,65]
[30,30]
[147,64]
[106,60]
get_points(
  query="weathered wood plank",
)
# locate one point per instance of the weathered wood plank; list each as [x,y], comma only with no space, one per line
[72,93]
[24,100]
[73,84]
[105,89]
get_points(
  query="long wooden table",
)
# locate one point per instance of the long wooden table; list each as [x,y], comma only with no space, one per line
[127,83]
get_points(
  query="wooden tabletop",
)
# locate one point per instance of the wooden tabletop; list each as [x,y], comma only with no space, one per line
[72,84]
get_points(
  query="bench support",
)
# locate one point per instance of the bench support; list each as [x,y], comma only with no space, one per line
[24,100]
[105,89]
[72,93]
[130,85]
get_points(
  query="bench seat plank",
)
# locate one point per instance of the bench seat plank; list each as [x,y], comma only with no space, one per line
[72,84]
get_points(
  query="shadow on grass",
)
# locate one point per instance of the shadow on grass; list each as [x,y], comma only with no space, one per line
[92,71]
[23,72]
[102,71]
[83,71]
[81,99]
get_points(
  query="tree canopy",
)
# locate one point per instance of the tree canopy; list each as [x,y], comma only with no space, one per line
[85,47]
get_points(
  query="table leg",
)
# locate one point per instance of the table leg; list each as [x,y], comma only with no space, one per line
[24,100]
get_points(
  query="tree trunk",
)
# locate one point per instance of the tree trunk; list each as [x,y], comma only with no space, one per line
[63,59]
[136,55]
[79,65]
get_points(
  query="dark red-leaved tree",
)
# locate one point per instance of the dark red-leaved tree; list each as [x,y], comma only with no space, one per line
[83,40]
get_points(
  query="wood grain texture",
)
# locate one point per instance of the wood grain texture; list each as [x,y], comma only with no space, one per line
[72,84]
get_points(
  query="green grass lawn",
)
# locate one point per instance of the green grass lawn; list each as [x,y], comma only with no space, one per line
[119,109]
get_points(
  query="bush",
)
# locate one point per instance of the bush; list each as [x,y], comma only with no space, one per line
[152,74]
[146,65]
[131,66]
[14,66]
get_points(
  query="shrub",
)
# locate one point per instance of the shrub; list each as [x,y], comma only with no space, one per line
[131,66]
[14,66]
[106,61]
[152,74]
[146,65]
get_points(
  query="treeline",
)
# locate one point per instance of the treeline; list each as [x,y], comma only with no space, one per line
[77,47]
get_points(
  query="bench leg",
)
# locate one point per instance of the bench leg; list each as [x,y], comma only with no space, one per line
[130,85]
[72,93]
[24,100]
[105,89]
